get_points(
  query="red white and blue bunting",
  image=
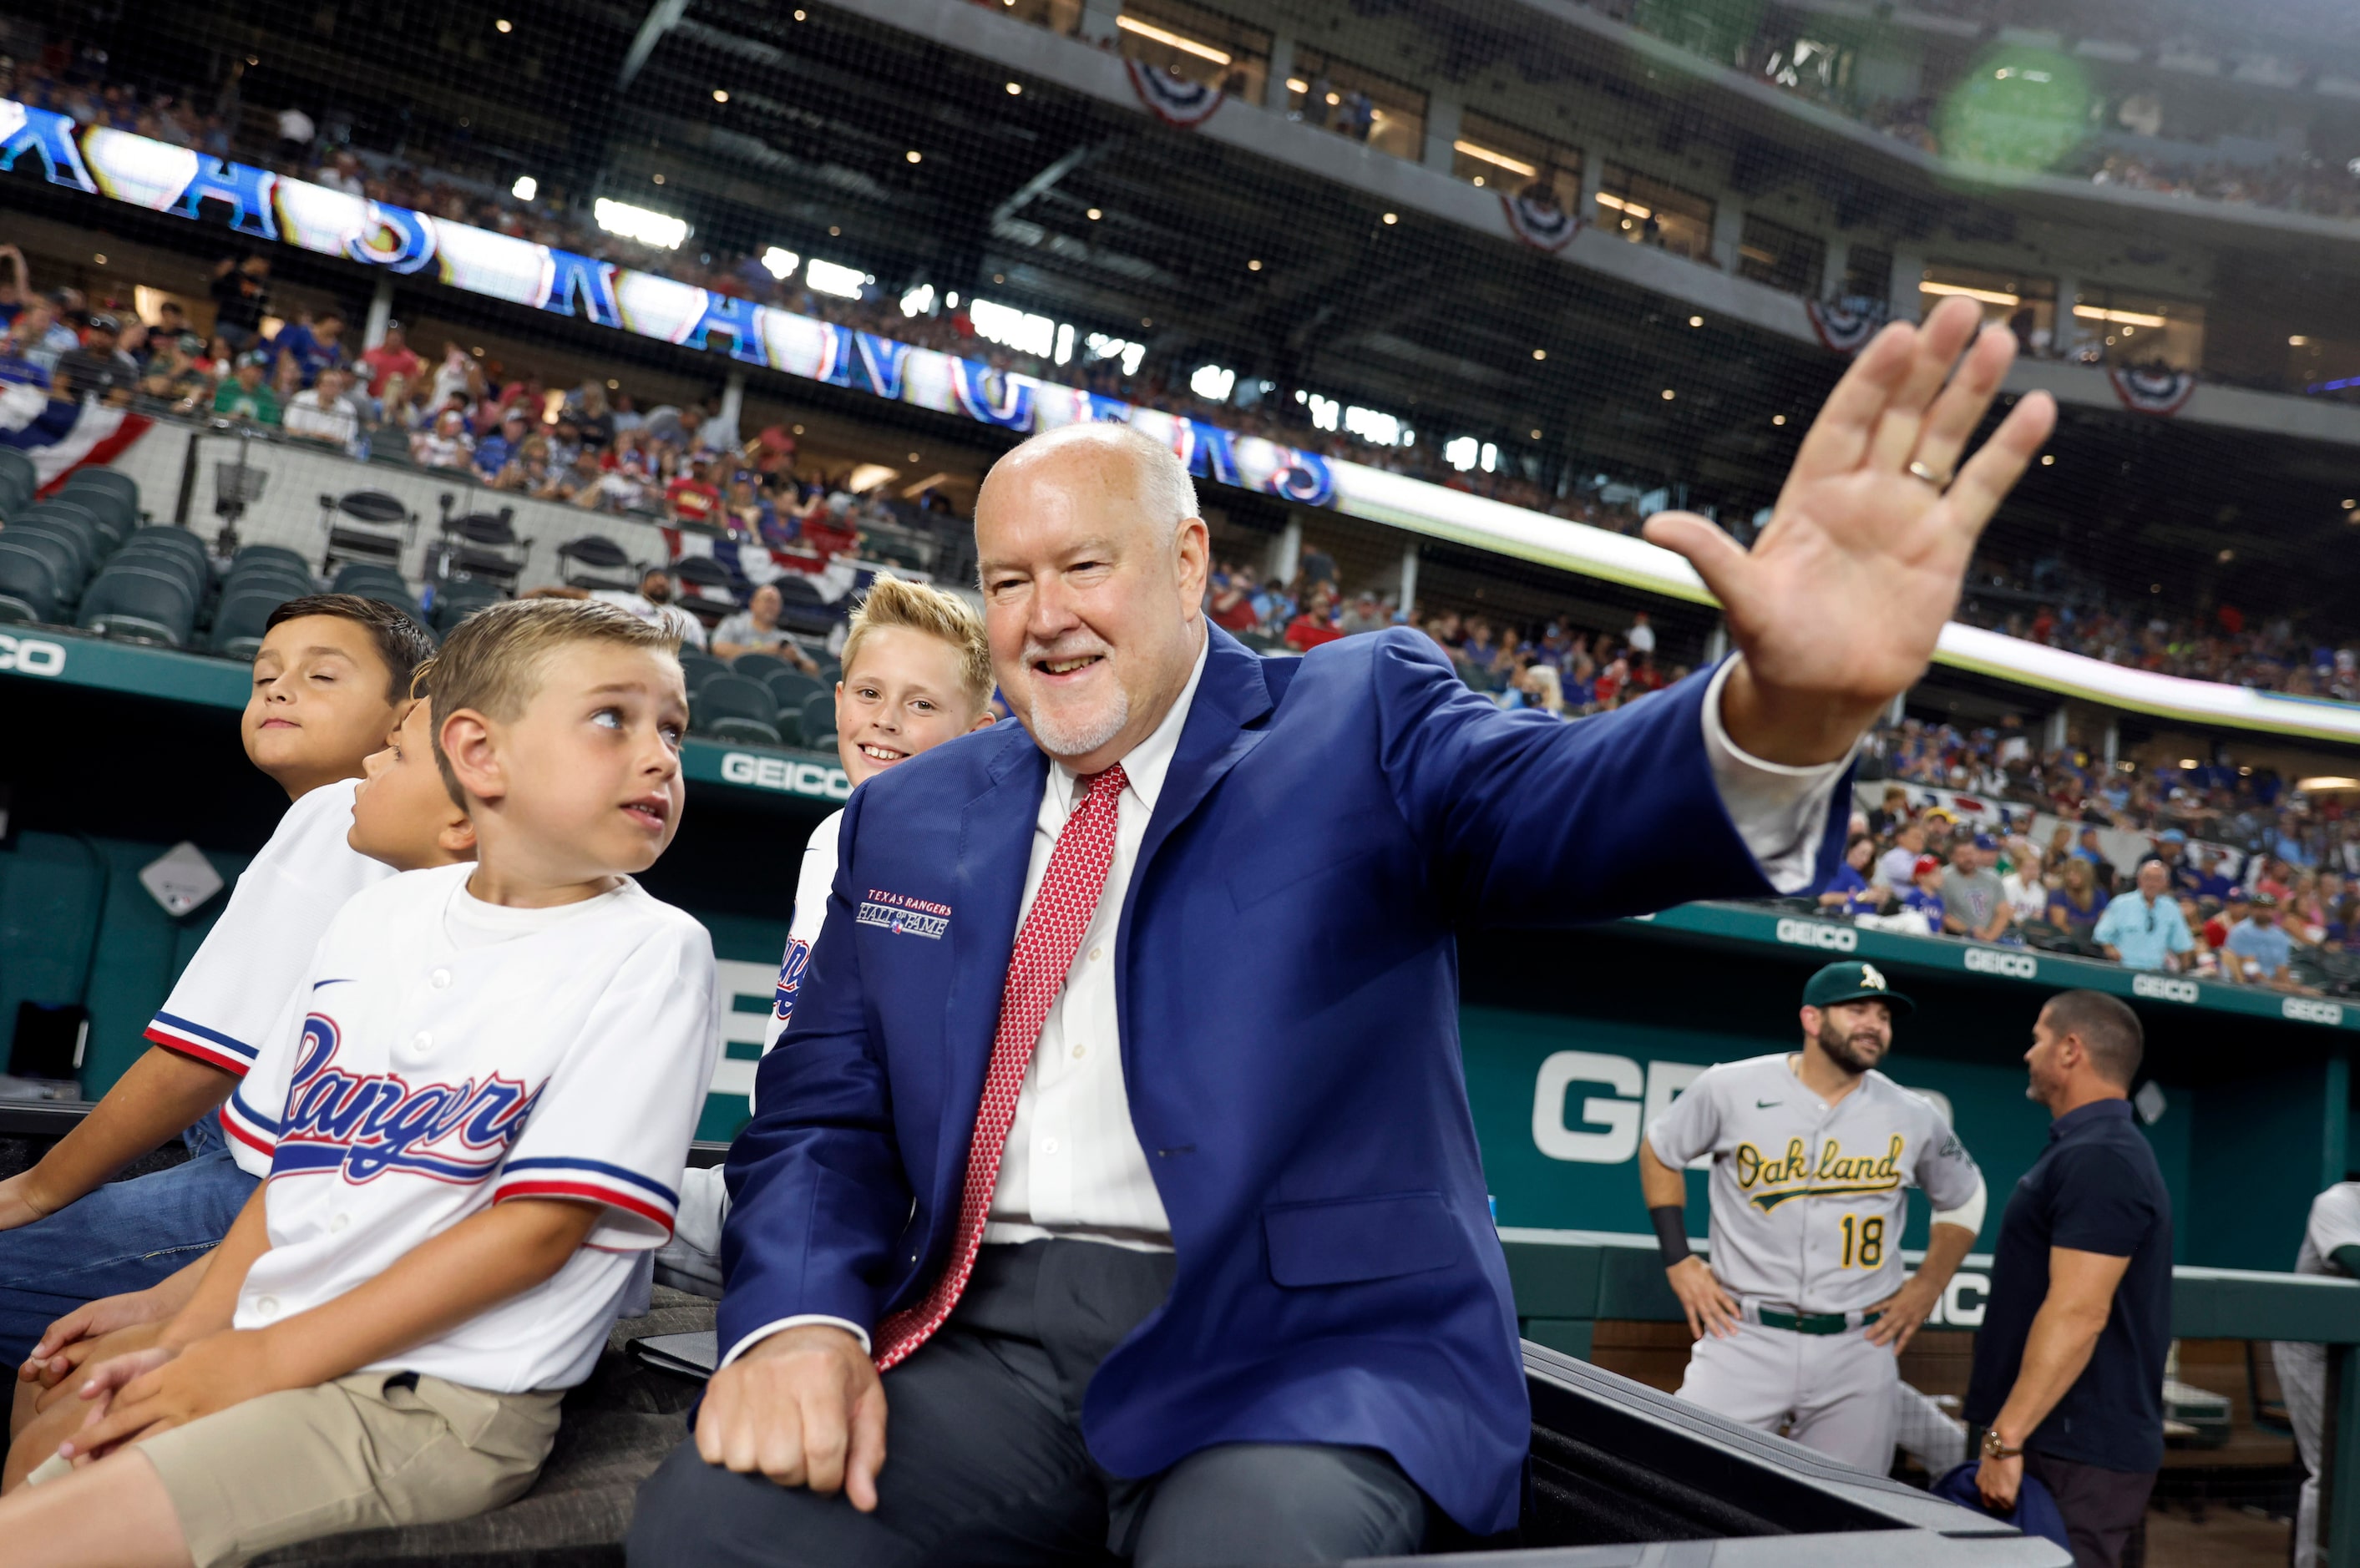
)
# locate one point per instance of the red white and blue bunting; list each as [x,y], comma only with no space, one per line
[2152,389]
[1842,327]
[1174,100]
[1544,225]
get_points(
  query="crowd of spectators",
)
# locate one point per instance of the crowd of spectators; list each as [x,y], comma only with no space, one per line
[2272,916]
[2268,656]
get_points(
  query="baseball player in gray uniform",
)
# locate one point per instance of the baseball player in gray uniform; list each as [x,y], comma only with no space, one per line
[1801,1315]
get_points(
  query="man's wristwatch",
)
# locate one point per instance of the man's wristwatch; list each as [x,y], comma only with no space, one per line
[1994,1448]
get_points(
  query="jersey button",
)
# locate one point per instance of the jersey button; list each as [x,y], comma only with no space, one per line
[1097,953]
[339,1222]
[441,978]
[423,1043]
[265,1306]
[1048,1145]
[1080,1051]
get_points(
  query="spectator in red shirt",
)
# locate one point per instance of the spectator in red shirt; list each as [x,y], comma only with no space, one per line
[691,497]
[1232,605]
[1317,624]
[392,357]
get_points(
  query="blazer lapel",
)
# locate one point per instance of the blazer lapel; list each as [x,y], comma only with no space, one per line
[994,853]
[1215,739]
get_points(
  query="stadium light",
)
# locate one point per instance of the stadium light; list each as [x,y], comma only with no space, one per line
[1381,428]
[1180,41]
[1988,296]
[1497,160]
[1065,354]
[1104,348]
[780,263]
[1632,209]
[659,229]
[504,26]
[720,95]
[834,277]
[919,301]
[2120,318]
[1461,452]
[1016,89]
[525,188]
[914,156]
[1325,412]
[1213,382]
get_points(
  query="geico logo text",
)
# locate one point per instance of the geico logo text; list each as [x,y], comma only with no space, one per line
[32,656]
[1818,933]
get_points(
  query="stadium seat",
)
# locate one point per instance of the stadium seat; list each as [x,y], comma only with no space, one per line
[139,604]
[455,602]
[17,469]
[824,741]
[81,538]
[255,553]
[112,497]
[29,584]
[65,566]
[818,713]
[699,668]
[483,545]
[792,688]
[730,707]
[600,555]
[758,665]
[244,617]
[365,525]
[357,576]
[111,480]
[269,574]
[167,536]
[156,556]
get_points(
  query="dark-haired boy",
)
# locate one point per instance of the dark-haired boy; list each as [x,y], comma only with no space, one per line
[330,681]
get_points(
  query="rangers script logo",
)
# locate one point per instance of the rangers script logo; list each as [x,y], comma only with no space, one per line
[368,1125]
[790,979]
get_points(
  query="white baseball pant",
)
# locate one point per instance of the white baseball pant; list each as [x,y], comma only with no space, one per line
[2303,1382]
[1835,1392]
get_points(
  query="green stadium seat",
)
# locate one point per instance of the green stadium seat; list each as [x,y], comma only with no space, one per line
[358,576]
[116,504]
[824,741]
[81,539]
[139,604]
[459,600]
[65,566]
[792,688]
[758,665]
[244,618]
[17,469]
[254,554]
[29,584]
[731,707]
[699,668]
[108,479]
[818,713]
[167,536]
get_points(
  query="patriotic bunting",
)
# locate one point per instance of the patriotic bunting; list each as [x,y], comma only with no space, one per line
[2151,390]
[1174,100]
[1840,326]
[1544,225]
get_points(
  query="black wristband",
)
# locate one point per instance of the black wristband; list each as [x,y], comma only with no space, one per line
[1671,1233]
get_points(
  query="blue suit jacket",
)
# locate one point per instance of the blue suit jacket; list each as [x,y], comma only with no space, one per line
[1288,994]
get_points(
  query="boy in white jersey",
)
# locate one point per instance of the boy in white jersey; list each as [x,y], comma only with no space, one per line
[2330,1247]
[329,681]
[917,672]
[490,1085]
[402,818]
[1803,1312]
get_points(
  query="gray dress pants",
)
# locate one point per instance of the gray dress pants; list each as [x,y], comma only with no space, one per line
[985,1461]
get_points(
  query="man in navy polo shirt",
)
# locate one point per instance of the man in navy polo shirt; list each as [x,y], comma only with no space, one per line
[2068,1381]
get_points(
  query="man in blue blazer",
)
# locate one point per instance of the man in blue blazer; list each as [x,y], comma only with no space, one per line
[1121,1120]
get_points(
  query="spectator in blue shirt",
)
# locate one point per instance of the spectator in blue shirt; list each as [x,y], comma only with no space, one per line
[313,348]
[2074,907]
[1924,895]
[1850,892]
[2144,929]
[2259,952]
[493,452]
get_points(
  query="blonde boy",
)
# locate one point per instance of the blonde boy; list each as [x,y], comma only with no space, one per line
[403,818]
[478,1120]
[329,679]
[917,672]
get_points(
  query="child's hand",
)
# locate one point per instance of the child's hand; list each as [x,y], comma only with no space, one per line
[66,1342]
[88,1354]
[153,1390]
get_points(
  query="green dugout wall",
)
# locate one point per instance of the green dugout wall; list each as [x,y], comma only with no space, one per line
[1572,1040]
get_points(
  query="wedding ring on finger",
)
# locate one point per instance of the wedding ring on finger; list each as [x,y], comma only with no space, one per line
[1920,471]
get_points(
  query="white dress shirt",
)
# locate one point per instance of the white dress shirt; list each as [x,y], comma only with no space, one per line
[1074,1166]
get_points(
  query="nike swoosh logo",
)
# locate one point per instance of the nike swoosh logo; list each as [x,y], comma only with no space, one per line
[1766,1104]
[323,985]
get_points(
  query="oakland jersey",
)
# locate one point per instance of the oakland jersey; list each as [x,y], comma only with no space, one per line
[1807,1198]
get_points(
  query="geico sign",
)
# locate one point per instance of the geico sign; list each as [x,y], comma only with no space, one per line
[32,656]
[784,774]
[2163,987]
[1818,933]
[2309,1010]
[1602,1129]
[2014,966]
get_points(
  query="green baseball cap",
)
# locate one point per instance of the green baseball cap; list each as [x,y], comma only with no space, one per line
[1854,981]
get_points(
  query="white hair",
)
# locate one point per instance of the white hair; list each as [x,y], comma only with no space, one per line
[1165,493]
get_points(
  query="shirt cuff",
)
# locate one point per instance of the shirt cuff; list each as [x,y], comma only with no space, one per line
[782,1324]
[1778,810]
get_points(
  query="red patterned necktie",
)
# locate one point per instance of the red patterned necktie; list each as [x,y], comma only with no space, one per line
[1051,935]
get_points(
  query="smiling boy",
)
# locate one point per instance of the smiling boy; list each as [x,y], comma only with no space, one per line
[917,672]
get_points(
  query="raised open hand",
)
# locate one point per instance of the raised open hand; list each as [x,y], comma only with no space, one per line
[1837,605]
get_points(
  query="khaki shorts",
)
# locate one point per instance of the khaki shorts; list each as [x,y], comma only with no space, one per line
[362,1451]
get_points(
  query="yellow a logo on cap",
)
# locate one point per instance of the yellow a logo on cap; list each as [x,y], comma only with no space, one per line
[1870,978]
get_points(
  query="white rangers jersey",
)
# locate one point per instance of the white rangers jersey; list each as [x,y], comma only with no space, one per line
[233,989]
[812,884]
[1809,1198]
[452,1054]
